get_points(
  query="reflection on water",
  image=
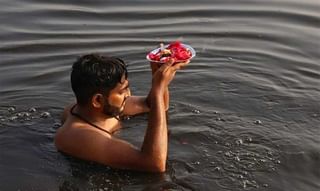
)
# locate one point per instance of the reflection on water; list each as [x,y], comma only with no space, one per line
[244,114]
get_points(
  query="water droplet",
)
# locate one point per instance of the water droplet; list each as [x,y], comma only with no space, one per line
[13,118]
[23,114]
[207,155]
[215,112]
[183,142]
[230,58]
[249,139]
[56,125]
[196,163]
[45,114]
[239,141]
[11,109]
[236,158]
[196,111]
[258,122]
[126,118]
[263,160]
[228,154]
[217,168]
[278,162]
[245,183]
[220,119]
[252,183]
[265,185]
[32,110]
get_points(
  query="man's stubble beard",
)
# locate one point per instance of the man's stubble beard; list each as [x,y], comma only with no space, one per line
[111,110]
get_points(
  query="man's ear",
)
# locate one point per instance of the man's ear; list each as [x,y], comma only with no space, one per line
[97,100]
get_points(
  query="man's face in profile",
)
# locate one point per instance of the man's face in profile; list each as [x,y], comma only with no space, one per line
[114,103]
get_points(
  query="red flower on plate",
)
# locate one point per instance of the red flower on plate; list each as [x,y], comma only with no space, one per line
[175,50]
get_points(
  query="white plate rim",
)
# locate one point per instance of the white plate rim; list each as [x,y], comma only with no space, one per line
[193,52]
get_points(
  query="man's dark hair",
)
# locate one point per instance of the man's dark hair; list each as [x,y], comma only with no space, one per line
[95,73]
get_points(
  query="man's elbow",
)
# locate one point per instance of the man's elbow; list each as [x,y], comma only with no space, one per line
[161,169]
[158,166]
[157,169]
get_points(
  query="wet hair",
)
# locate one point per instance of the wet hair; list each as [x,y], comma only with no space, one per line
[95,73]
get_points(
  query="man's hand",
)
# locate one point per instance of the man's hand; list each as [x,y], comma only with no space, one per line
[156,65]
[165,72]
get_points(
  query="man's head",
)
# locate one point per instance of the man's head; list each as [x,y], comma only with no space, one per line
[95,77]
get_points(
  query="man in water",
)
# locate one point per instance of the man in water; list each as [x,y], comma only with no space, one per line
[102,92]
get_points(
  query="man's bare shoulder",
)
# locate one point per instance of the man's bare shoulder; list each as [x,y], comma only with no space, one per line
[74,131]
[80,140]
[86,143]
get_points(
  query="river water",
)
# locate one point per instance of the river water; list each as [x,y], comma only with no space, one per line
[244,115]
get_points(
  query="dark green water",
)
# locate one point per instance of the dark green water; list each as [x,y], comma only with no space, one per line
[244,115]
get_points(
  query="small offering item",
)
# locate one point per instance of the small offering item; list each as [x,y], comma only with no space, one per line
[176,50]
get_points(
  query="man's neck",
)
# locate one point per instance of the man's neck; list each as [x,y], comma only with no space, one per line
[97,117]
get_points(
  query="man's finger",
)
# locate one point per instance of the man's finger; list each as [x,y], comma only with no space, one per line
[169,63]
[180,65]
